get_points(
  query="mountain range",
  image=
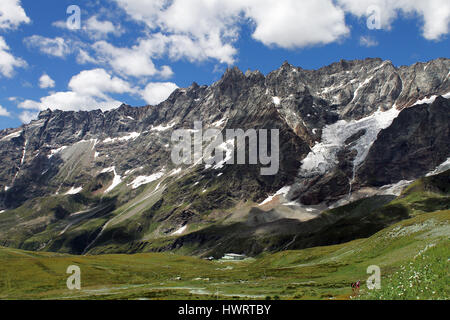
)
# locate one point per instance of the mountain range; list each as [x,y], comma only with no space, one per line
[353,136]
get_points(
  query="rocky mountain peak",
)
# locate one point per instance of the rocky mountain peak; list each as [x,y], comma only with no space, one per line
[345,130]
[305,104]
[286,65]
[194,86]
[233,73]
[45,114]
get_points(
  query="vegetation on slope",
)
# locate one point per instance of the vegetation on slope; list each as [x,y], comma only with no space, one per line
[414,251]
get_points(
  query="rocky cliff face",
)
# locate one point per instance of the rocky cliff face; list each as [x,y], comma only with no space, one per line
[345,127]
[417,140]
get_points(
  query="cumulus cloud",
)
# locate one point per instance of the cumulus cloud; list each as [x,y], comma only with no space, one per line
[296,24]
[28,116]
[84,57]
[102,29]
[208,29]
[12,14]
[192,29]
[96,82]
[4,112]
[157,92]
[57,47]
[95,28]
[61,47]
[435,13]
[46,82]
[89,90]
[7,61]
[146,11]
[135,61]
[71,101]
[367,41]
[199,30]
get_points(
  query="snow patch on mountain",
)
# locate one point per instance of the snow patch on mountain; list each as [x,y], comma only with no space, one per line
[282,192]
[162,128]
[116,181]
[22,161]
[276,101]
[74,190]
[228,148]
[128,172]
[219,123]
[441,168]
[323,155]
[56,151]
[360,87]
[131,136]
[143,180]
[179,231]
[430,99]
[395,189]
[12,136]
[107,170]
[175,172]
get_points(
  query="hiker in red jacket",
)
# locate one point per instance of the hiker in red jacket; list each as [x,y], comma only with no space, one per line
[355,287]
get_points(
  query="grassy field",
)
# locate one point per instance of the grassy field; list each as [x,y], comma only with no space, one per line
[413,257]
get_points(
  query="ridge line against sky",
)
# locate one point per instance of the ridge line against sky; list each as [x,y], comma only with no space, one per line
[139,51]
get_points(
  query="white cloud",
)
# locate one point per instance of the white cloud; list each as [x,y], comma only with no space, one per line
[157,92]
[195,29]
[60,24]
[367,41]
[166,72]
[435,13]
[4,112]
[88,91]
[28,116]
[29,104]
[54,47]
[7,61]
[61,48]
[72,101]
[296,24]
[101,29]
[146,11]
[95,28]
[208,29]
[12,14]
[96,82]
[135,61]
[46,82]
[83,57]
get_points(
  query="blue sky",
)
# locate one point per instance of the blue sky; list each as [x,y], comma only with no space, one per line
[138,51]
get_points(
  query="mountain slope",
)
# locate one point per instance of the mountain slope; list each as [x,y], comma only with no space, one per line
[414,251]
[103,181]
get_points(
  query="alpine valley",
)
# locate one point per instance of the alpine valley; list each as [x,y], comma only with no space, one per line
[364,179]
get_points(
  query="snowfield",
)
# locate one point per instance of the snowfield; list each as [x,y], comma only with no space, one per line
[143,180]
[323,155]
[441,168]
[74,190]
[282,192]
[131,136]
[179,231]
[116,181]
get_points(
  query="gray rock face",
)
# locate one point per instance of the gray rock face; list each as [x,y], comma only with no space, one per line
[415,142]
[346,126]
